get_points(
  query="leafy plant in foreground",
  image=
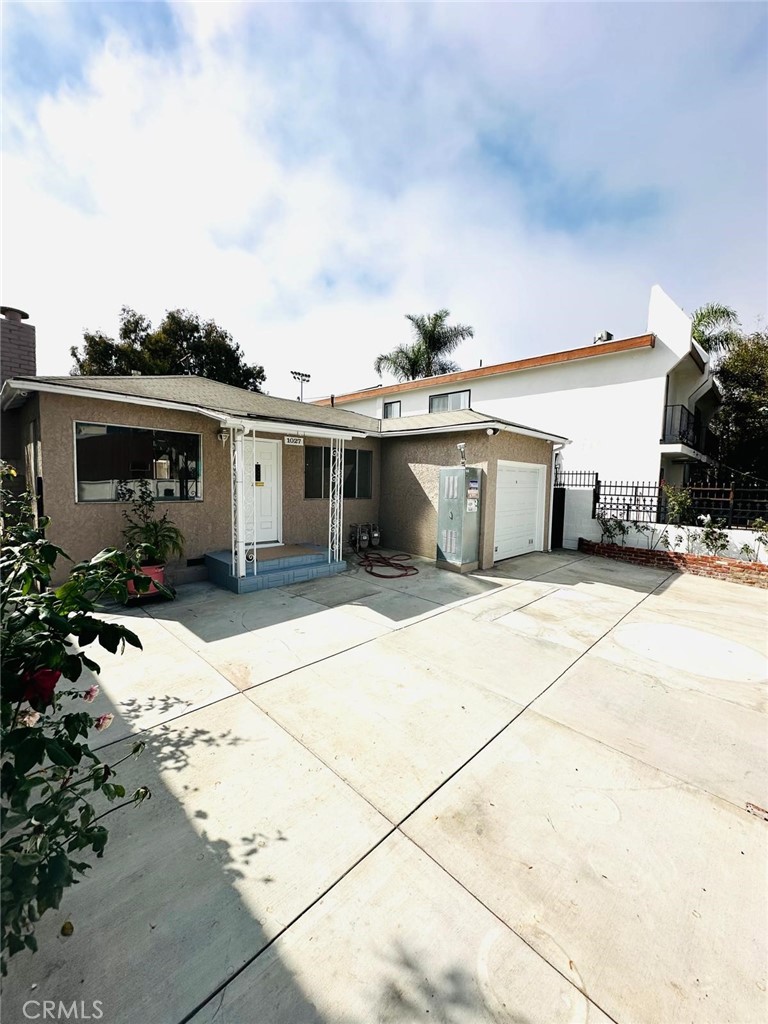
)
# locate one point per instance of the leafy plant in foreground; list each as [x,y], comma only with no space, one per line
[54,789]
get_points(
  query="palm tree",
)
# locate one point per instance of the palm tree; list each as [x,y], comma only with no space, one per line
[426,356]
[715,327]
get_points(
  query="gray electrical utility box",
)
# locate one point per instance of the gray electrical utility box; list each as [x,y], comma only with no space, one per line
[458,519]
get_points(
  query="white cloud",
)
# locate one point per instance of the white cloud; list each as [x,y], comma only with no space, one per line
[306,176]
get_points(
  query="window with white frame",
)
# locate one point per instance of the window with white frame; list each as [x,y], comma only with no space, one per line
[392,410]
[450,400]
[110,461]
[358,472]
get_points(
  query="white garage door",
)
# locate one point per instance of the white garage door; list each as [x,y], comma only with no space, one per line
[519,509]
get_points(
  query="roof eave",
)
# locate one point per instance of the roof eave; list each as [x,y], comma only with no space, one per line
[20,386]
[608,348]
[511,428]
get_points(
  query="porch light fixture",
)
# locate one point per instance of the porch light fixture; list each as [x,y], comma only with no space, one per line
[223,436]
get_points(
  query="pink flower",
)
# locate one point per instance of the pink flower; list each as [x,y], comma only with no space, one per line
[91,694]
[103,722]
[27,718]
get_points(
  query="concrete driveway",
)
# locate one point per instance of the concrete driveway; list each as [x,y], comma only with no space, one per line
[521,796]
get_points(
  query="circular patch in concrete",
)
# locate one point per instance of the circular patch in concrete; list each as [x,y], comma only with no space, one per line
[693,651]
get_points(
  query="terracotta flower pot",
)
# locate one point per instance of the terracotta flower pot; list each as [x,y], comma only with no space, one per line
[156,573]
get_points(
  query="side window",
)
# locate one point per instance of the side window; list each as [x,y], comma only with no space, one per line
[392,410]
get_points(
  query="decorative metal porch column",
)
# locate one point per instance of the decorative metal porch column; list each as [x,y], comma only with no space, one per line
[336,507]
[237,453]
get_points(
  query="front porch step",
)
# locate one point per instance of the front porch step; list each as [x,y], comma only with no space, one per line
[274,572]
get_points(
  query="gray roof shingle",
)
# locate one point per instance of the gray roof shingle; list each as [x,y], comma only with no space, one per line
[224,399]
[211,394]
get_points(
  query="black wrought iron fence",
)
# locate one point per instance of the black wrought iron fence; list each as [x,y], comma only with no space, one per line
[645,501]
[631,500]
[575,478]
[738,506]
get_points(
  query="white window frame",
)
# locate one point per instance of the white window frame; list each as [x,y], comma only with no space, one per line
[134,426]
[399,413]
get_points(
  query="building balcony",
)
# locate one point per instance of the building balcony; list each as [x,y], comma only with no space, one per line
[681,426]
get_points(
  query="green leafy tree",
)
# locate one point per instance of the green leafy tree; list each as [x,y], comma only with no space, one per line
[427,355]
[182,344]
[715,327]
[742,419]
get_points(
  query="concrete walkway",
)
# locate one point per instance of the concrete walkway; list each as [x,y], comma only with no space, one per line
[520,796]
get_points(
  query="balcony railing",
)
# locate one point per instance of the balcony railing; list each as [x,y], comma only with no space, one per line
[681,427]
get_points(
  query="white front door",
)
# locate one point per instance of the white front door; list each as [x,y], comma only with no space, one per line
[519,509]
[261,491]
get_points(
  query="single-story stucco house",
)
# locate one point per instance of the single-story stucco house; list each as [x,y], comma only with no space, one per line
[244,473]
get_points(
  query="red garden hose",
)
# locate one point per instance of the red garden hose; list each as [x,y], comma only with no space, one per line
[373,560]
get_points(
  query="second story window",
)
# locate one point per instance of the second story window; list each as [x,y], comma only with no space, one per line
[392,410]
[448,401]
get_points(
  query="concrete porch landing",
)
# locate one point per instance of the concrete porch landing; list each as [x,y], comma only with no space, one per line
[277,566]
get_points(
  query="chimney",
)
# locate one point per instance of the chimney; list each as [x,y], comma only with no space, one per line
[17,345]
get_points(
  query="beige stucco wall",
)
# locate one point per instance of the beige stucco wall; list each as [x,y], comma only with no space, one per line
[305,520]
[410,474]
[84,528]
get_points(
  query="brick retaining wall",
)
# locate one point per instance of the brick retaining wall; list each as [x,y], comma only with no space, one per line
[755,574]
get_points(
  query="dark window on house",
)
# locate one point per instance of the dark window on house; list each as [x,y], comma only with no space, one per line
[358,472]
[110,461]
[448,401]
[317,462]
[392,410]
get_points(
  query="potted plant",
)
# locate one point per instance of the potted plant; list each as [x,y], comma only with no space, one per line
[151,538]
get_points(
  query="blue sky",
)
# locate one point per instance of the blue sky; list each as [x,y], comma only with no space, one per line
[307,174]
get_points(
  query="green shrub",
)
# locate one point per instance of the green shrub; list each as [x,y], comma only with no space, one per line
[679,505]
[54,789]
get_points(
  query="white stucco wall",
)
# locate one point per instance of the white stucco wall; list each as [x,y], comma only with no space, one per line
[610,406]
[686,539]
[578,520]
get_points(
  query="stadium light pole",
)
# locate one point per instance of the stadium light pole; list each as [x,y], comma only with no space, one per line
[302,378]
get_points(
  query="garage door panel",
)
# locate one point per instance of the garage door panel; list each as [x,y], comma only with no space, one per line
[519,509]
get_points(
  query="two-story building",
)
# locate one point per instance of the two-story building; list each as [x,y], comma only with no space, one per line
[635,408]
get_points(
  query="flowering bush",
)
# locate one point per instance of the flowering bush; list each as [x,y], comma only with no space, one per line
[713,536]
[53,787]
[679,504]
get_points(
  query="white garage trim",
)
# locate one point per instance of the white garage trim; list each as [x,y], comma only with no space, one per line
[530,521]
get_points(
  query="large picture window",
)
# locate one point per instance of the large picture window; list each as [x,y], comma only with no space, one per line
[448,401]
[358,472]
[110,461]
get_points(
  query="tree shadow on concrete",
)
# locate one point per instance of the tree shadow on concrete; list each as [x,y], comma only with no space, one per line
[160,922]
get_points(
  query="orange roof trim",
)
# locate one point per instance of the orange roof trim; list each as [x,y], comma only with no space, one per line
[587,352]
